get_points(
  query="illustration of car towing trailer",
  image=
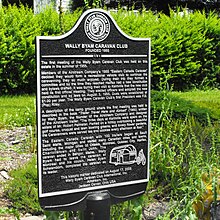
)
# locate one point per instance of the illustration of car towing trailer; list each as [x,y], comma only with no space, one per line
[126,154]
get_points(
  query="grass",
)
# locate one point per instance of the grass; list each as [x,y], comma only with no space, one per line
[209,100]
[22,191]
[5,158]
[185,147]
[20,110]
[198,103]
[17,111]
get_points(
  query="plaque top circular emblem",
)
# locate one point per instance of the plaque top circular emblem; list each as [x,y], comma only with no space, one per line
[97,27]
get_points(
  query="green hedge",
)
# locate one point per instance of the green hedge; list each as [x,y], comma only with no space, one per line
[185,48]
[18,29]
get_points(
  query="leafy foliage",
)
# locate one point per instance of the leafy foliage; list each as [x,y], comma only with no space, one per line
[18,29]
[17,64]
[182,151]
[22,190]
[211,195]
[165,5]
[185,46]
[130,210]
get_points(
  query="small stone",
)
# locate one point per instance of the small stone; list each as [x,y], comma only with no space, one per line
[5,175]
[15,142]
[32,218]
[156,209]
[27,215]
[215,211]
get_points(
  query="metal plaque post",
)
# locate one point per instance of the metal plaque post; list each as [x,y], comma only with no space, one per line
[97,206]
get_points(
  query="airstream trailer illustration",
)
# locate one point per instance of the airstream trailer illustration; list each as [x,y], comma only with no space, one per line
[126,154]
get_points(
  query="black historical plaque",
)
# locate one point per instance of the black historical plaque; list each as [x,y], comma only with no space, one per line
[93,113]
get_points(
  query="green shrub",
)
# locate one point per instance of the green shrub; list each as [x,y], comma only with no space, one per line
[18,29]
[48,21]
[185,48]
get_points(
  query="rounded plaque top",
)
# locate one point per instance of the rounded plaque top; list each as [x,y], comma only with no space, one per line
[97,27]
